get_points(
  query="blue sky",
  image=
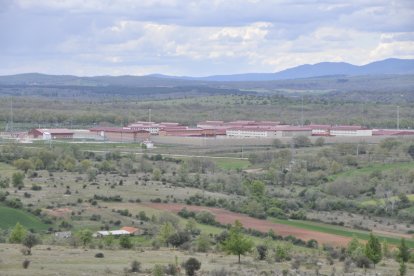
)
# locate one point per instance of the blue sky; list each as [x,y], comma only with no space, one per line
[198,38]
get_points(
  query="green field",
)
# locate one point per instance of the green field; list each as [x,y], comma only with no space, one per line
[232,164]
[337,230]
[373,168]
[375,202]
[9,217]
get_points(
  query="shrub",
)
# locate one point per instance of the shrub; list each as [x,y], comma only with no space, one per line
[135,266]
[125,242]
[170,269]
[262,251]
[26,264]
[205,217]
[363,262]
[191,266]
[158,270]
[99,255]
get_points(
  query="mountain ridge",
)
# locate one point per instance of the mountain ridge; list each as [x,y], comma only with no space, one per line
[391,66]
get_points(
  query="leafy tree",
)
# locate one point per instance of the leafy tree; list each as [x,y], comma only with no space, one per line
[373,249]
[30,241]
[403,253]
[353,245]
[203,243]
[257,188]
[109,240]
[85,236]
[191,266]
[319,142]
[125,242]
[301,141]
[178,238]
[191,226]
[23,164]
[205,217]
[17,180]
[18,234]
[156,174]
[237,243]
[166,230]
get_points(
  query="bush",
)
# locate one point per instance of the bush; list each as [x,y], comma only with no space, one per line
[191,266]
[135,266]
[125,242]
[99,255]
[205,217]
[158,270]
[170,269]
[363,262]
[26,264]
[262,251]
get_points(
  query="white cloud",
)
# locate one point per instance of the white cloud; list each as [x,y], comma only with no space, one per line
[199,37]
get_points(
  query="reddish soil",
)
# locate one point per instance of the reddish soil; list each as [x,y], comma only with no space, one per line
[226,217]
[61,212]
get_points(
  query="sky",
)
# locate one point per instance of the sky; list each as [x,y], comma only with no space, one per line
[198,38]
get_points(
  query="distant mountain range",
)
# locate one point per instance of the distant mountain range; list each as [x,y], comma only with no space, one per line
[390,66]
[387,66]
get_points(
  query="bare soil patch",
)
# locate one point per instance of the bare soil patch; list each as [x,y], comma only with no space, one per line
[226,217]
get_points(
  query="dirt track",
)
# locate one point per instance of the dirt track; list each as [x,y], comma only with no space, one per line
[225,217]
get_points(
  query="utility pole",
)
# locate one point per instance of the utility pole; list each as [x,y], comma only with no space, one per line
[301,114]
[11,115]
[398,117]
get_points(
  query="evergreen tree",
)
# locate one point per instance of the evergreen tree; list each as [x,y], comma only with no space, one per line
[17,234]
[373,249]
[403,269]
[403,254]
[237,243]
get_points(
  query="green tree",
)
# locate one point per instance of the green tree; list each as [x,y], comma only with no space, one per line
[85,236]
[353,245]
[156,174]
[125,242]
[203,243]
[237,243]
[403,252]
[23,164]
[30,240]
[166,230]
[301,141]
[18,234]
[17,180]
[109,240]
[373,249]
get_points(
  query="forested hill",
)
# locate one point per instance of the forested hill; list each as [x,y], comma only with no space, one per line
[385,88]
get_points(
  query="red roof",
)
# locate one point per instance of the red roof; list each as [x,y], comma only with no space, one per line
[392,132]
[55,130]
[129,229]
[347,128]
[118,129]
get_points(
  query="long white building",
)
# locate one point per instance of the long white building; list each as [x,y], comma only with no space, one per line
[268,132]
